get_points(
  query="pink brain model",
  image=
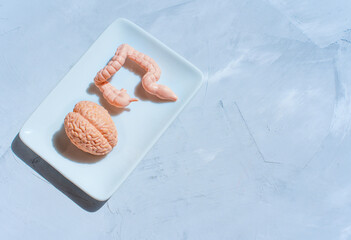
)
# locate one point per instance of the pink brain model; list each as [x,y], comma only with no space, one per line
[120,98]
[90,128]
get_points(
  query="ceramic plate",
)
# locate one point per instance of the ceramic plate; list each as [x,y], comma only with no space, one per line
[138,127]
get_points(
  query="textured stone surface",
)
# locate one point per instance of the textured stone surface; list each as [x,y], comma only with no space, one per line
[262,152]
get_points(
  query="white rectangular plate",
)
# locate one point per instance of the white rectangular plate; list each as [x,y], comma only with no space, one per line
[138,129]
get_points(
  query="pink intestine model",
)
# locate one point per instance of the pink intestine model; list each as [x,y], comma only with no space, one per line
[120,98]
[90,128]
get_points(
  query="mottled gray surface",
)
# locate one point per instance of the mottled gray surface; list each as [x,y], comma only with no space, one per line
[262,152]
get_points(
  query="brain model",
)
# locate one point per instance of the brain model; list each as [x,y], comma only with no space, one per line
[90,128]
